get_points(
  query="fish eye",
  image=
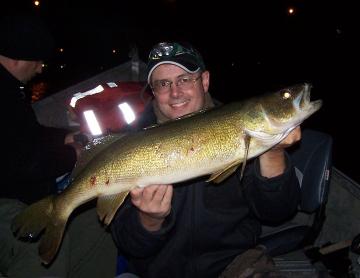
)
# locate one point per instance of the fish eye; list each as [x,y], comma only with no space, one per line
[286,95]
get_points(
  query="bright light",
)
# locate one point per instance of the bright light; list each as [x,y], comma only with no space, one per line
[61,49]
[114,51]
[78,96]
[112,84]
[37,3]
[291,10]
[92,122]
[127,112]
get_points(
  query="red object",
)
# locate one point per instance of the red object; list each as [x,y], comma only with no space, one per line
[105,105]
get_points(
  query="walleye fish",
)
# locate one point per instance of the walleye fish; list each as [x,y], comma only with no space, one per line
[213,142]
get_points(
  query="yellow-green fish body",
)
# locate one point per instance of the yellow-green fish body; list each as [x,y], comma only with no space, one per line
[212,142]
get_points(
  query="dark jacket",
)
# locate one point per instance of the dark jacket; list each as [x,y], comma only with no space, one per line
[208,225]
[35,155]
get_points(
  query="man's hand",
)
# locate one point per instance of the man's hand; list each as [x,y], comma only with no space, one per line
[154,204]
[77,140]
[272,162]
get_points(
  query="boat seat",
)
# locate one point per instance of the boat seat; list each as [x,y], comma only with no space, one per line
[312,158]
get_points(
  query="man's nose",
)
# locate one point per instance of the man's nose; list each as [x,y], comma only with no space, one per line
[175,91]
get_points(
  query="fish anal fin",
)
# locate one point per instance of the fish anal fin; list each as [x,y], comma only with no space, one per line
[108,205]
[221,175]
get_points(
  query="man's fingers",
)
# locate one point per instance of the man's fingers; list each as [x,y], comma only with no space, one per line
[166,201]
[136,195]
[154,200]
[160,192]
[149,192]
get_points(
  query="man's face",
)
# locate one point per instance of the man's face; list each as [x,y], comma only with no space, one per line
[177,101]
[24,71]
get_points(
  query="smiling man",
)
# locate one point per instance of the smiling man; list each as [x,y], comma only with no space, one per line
[180,84]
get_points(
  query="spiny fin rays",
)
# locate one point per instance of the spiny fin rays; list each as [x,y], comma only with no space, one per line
[92,149]
[108,205]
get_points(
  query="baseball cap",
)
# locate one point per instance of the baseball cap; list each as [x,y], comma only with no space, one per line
[182,55]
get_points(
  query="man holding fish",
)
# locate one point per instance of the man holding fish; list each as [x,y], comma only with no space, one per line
[196,228]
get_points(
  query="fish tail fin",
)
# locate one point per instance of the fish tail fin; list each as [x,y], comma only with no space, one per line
[40,216]
[51,240]
[30,222]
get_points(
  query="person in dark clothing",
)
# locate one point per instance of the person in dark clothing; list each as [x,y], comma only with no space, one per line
[195,228]
[35,156]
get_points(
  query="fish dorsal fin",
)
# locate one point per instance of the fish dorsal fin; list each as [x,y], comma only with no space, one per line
[151,126]
[192,114]
[108,205]
[178,118]
[92,149]
[221,175]
[247,140]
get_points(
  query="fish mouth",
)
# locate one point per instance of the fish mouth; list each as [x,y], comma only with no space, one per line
[303,104]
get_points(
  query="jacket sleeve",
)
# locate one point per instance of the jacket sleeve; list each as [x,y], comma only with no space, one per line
[130,236]
[36,151]
[272,200]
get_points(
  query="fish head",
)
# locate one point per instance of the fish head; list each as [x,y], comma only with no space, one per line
[288,107]
[278,113]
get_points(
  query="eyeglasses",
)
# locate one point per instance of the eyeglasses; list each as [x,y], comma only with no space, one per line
[162,87]
[169,49]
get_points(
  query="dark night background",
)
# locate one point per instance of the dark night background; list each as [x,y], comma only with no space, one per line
[249,47]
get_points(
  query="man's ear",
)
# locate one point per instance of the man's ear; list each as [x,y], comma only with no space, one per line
[205,79]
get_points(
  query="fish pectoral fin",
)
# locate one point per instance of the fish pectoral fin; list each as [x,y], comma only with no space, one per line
[221,175]
[247,141]
[108,205]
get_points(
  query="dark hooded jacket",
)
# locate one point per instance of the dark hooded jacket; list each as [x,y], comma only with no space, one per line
[35,155]
[209,224]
